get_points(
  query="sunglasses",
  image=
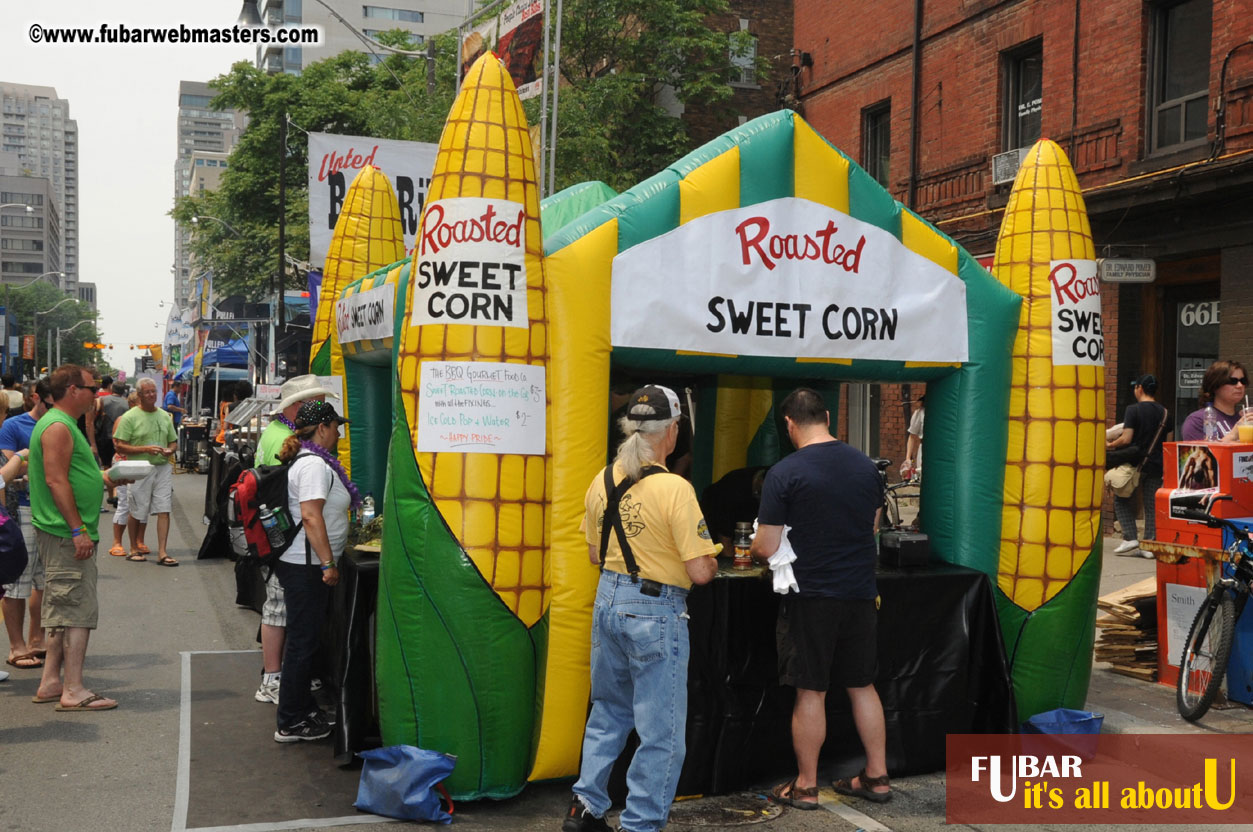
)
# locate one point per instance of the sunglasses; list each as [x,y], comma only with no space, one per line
[94,390]
[1243,380]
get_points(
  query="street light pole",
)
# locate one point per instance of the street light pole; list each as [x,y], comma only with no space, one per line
[36,327]
[61,332]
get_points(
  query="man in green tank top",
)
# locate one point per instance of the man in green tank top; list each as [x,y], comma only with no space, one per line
[66,487]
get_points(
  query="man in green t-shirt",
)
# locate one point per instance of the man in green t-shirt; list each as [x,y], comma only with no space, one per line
[66,487]
[294,393]
[147,433]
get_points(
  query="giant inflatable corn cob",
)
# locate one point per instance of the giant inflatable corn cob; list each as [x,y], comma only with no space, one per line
[1050,557]
[463,582]
[367,237]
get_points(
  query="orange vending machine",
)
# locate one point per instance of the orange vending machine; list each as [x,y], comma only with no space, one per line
[1188,552]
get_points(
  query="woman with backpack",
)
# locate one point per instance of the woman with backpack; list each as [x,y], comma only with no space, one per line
[319,496]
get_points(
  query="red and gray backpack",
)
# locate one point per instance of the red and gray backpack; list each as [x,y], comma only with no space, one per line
[265,485]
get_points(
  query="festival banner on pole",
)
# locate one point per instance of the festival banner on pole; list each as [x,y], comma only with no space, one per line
[516,34]
[787,278]
[334,161]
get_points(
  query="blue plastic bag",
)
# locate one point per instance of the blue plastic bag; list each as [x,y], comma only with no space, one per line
[401,781]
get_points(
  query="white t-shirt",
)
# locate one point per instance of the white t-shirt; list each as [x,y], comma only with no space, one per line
[916,423]
[310,478]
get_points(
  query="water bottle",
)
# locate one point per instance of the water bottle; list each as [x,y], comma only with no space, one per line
[269,522]
[1211,424]
[367,509]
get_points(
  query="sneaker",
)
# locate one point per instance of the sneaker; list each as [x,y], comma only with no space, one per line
[4,675]
[306,729]
[579,819]
[1148,555]
[1126,546]
[315,685]
[267,692]
[321,716]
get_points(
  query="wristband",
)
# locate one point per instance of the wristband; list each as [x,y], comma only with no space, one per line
[328,565]
[78,531]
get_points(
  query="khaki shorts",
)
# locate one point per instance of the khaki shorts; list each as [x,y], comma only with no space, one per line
[70,584]
[33,576]
[152,494]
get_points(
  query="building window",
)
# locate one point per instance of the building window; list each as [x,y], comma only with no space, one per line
[384,13]
[1024,99]
[876,140]
[743,58]
[1179,74]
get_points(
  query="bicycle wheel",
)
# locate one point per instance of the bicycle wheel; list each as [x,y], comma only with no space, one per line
[890,517]
[1204,661]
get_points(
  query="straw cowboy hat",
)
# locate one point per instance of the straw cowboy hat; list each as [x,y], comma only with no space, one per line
[300,388]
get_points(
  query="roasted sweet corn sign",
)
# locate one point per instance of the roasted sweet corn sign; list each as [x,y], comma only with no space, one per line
[787,278]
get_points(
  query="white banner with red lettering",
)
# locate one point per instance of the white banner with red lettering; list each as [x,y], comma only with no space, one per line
[471,264]
[334,161]
[787,278]
[1076,291]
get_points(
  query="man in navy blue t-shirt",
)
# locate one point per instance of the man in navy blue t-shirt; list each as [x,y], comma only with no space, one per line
[829,493]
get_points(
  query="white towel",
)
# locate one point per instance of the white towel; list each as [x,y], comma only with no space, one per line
[781,565]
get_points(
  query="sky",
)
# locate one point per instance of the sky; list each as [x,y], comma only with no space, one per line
[125,100]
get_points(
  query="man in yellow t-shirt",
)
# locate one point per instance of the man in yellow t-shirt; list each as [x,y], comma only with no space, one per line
[655,545]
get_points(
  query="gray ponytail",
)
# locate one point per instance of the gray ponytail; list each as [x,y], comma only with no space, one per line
[642,445]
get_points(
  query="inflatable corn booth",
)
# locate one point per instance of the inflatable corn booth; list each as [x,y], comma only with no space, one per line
[762,261]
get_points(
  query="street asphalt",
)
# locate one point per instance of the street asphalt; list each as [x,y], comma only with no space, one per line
[128,769]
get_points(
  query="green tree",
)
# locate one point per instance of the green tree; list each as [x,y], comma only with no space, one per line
[40,297]
[624,64]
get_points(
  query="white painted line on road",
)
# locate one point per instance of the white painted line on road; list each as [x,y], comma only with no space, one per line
[182,787]
[853,816]
[309,823]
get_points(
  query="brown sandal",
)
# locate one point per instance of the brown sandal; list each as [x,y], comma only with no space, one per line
[865,787]
[790,794]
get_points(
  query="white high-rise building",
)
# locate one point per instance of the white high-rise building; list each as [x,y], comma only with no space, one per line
[36,129]
[205,138]
[421,17]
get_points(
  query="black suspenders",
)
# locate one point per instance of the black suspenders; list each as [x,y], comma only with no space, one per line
[613,497]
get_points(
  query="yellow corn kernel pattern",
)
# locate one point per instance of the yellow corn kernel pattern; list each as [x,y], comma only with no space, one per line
[367,237]
[495,504]
[1056,413]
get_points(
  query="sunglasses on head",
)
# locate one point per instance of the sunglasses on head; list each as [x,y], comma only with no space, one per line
[1244,380]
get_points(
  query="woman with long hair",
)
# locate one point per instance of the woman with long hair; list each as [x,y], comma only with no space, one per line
[1224,386]
[319,496]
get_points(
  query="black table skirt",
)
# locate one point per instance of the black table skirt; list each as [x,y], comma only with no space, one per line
[941,669]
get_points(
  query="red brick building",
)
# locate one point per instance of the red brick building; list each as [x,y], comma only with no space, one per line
[1153,101]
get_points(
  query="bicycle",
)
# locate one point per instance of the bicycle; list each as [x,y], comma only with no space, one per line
[891,516]
[1203,664]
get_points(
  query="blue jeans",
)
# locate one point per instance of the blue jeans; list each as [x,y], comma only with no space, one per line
[306,610]
[639,680]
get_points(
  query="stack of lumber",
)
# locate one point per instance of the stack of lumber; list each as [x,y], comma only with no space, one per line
[1126,627]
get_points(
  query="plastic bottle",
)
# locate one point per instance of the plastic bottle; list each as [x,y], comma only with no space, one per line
[1211,424]
[269,522]
[367,509]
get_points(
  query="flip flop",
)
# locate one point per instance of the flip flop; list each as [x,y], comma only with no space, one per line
[143,549]
[26,661]
[85,705]
[117,552]
[38,652]
[789,794]
[166,560]
[44,700]
[137,557]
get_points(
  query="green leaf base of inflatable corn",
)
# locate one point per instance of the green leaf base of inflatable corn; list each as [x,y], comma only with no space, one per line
[456,669]
[1052,646]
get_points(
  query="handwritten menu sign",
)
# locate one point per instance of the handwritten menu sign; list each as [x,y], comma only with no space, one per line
[481,407]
